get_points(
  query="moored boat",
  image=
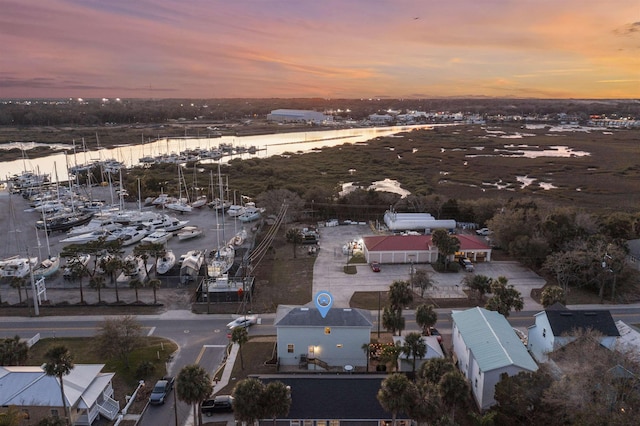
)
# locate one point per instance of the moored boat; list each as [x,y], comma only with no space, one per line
[222,261]
[190,264]
[160,236]
[189,232]
[47,267]
[17,267]
[166,262]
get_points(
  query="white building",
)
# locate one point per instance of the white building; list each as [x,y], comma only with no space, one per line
[485,346]
[434,350]
[557,326]
[298,116]
[306,339]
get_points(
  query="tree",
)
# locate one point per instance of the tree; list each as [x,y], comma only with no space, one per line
[13,351]
[427,404]
[505,297]
[390,354]
[422,280]
[294,236]
[433,369]
[118,337]
[400,295]
[396,395]
[393,320]
[552,294]
[273,200]
[276,400]
[446,244]
[193,385]
[135,284]
[59,363]
[414,347]
[426,317]
[111,264]
[454,389]
[247,406]
[12,417]
[155,284]
[519,397]
[19,283]
[98,283]
[240,336]
[478,284]
[150,250]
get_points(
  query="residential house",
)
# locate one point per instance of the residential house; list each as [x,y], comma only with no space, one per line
[407,249]
[88,392]
[308,340]
[434,350]
[333,400]
[556,326]
[484,347]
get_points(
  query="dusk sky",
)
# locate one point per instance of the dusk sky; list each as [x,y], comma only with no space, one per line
[319,48]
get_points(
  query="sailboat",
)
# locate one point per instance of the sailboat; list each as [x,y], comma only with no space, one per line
[48,266]
[16,266]
[182,204]
[222,261]
[166,262]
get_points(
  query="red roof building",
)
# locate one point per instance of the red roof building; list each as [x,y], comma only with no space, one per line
[419,249]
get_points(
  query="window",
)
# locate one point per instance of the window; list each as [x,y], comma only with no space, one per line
[476,382]
[307,423]
[54,413]
[327,330]
[290,348]
[334,422]
[544,332]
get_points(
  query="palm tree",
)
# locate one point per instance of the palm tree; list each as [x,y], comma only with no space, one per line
[276,400]
[12,417]
[396,394]
[389,355]
[454,389]
[446,245]
[98,283]
[135,284]
[426,317]
[423,280]
[294,235]
[400,294]
[13,351]
[247,406]
[433,369]
[59,363]
[193,386]
[414,347]
[366,347]
[18,282]
[155,284]
[393,320]
[240,336]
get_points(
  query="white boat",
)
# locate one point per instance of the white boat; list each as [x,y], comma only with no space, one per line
[189,232]
[251,213]
[190,264]
[69,268]
[218,204]
[166,262]
[129,217]
[17,267]
[239,238]
[165,222]
[199,202]
[163,199]
[134,270]
[222,261]
[130,234]
[47,267]
[181,206]
[235,210]
[89,237]
[95,224]
[160,236]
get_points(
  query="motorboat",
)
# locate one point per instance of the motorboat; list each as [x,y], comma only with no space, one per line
[90,236]
[239,238]
[181,206]
[160,236]
[189,232]
[17,267]
[190,264]
[235,210]
[134,269]
[129,217]
[47,267]
[130,234]
[218,204]
[251,213]
[75,263]
[95,224]
[166,262]
[199,202]
[222,261]
[64,222]
[163,199]
[165,222]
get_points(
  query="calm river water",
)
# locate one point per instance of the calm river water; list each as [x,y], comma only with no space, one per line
[267,145]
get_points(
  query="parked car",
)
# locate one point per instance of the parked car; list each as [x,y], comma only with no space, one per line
[434,332]
[483,231]
[375,266]
[244,321]
[219,404]
[161,390]
[466,264]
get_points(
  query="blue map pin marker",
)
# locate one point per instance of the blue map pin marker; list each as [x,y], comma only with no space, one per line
[323,300]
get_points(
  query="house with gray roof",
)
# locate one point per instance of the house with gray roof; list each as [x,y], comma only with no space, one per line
[88,393]
[433,350]
[485,346]
[556,326]
[310,341]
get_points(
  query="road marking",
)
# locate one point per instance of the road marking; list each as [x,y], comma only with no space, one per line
[151,330]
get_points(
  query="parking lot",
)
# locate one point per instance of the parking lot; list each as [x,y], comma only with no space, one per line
[329,275]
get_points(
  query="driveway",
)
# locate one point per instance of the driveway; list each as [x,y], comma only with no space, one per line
[328,272]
